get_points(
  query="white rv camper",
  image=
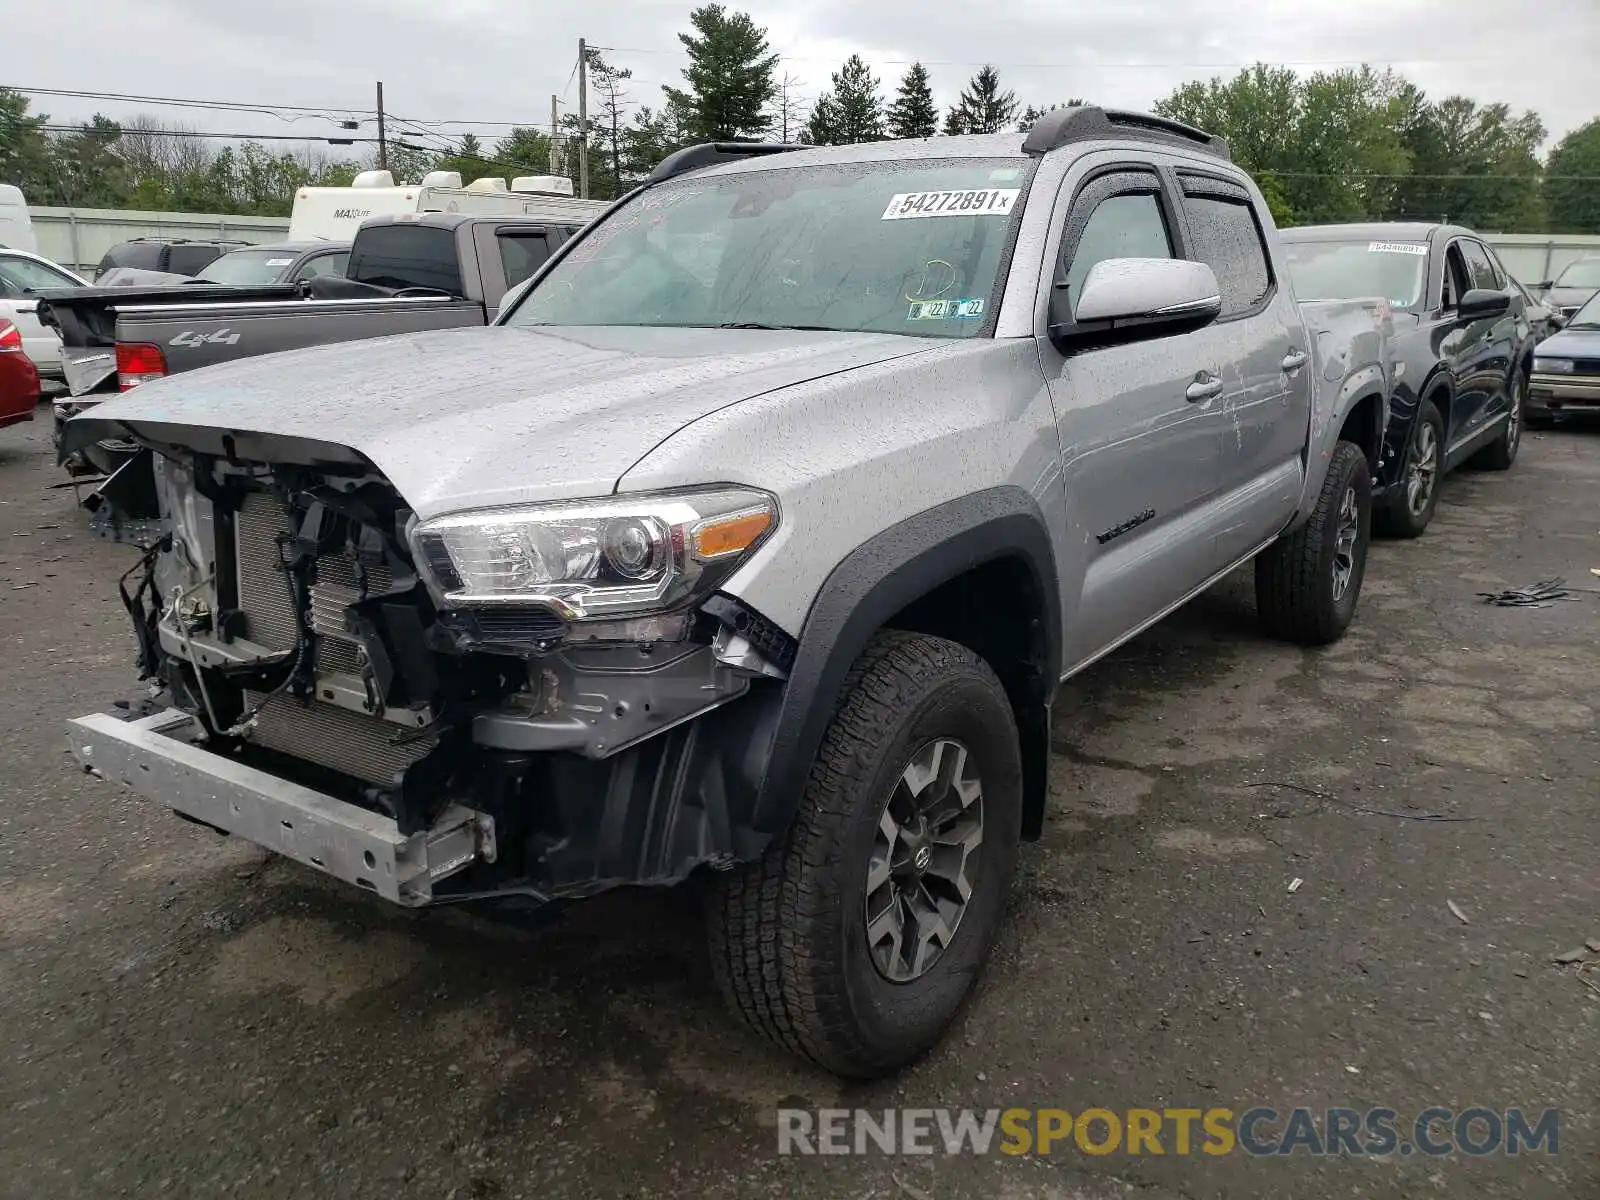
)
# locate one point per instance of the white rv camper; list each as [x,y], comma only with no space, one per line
[335,213]
[16,226]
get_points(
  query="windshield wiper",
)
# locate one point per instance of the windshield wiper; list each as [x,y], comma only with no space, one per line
[762,325]
[1583,325]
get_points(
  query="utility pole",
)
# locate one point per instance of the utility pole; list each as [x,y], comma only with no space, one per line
[383,143]
[583,119]
[554,133]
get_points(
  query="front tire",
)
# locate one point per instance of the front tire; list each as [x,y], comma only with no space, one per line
[854,939]
[1411,511]
[1308,582]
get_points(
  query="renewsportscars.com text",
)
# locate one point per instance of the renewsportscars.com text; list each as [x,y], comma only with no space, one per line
[1259,1131]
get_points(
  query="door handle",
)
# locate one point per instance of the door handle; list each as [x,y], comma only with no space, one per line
[1295,359]
[1204,387]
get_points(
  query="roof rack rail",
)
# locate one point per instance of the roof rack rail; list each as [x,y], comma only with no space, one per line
[1063,126]
[710,154]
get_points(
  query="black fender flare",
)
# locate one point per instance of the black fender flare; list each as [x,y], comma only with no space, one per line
[877,580]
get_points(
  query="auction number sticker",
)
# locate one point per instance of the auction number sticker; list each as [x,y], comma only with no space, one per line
[1396,248]
[973,202]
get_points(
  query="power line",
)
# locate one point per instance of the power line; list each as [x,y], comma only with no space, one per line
[266,110]
[136,132]
[1098,66]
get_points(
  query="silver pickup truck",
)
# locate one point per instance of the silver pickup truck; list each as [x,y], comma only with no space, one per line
[406,272]
[750,545]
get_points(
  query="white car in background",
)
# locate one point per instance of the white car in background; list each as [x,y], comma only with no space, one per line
[22,276]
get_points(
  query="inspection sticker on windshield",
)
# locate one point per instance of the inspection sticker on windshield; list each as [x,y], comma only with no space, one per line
[973,202]
[1396,248]
[946,310]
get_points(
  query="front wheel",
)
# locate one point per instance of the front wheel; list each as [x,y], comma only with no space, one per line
[1308,582]
[854,939]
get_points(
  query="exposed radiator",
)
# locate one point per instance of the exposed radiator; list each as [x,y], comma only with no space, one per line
[365,747]
[264,595]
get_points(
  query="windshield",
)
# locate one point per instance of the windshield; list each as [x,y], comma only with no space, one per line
[246,268]
[1585,273]
[22,276]
[1396,271]
[1587,317]
[909,247]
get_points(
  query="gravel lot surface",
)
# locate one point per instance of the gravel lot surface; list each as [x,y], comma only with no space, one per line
[184,1016]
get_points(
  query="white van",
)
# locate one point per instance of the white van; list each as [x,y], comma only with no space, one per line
[16,226]
[335,213]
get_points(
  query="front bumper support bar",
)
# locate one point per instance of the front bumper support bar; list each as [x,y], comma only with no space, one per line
[156,757]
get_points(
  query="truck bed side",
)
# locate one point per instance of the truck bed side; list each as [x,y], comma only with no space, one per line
[191,336]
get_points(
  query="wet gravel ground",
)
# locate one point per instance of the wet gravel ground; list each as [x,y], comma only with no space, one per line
[183,1016]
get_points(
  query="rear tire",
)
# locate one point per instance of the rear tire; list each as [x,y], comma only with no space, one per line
[803,941]
[1499,454]
[1308,582]
[1421,475]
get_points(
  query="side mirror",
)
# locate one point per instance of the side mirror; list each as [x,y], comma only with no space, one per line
[1543,286]
[1125,299]
[1483,302]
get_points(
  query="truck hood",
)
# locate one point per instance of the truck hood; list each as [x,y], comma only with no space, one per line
[471,418]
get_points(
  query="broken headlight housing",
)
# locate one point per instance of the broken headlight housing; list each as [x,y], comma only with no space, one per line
[621,556]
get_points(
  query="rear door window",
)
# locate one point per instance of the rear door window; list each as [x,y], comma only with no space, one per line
[522,252]
[406,255]
[145,256]
[1225,235]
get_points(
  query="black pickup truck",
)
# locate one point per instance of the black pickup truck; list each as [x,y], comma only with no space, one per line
[407,272]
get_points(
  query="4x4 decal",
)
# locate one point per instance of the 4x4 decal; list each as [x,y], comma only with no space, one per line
[222,337]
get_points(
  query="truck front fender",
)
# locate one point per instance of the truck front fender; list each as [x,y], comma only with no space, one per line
[1364,390]
[885,577]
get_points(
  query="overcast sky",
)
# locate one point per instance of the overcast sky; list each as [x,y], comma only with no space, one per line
[487,61]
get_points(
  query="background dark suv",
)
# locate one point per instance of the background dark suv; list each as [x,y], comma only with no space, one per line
[176,256]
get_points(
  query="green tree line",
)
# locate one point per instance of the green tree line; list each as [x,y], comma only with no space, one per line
[1353,144]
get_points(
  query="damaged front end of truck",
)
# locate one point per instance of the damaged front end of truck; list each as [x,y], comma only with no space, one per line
[540,701]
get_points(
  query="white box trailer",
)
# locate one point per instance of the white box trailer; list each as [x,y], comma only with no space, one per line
[335,213]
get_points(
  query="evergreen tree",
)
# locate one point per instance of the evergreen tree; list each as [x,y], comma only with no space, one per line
[955,123]
[852,111]
[858,102]
[913,113]
[983,107]
[729,77]
[822,128]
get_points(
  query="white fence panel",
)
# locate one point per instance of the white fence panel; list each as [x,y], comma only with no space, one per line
[79,237]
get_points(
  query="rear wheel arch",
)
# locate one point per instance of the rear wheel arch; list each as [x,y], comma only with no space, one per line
[978,571]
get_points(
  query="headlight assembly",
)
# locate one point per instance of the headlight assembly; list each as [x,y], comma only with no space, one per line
[619,556]
[1553,366]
